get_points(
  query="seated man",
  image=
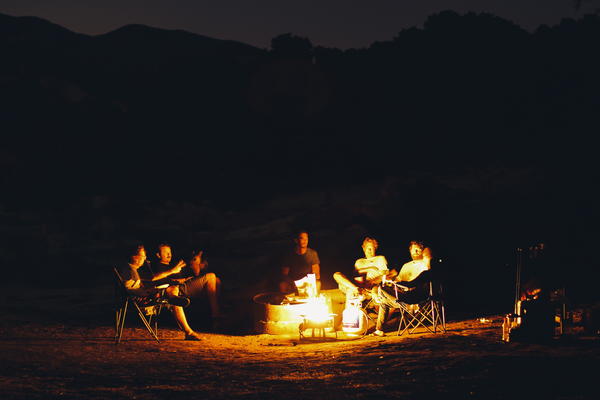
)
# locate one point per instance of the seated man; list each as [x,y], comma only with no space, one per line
[409,276]
[371,269]
[298,263]
[196,281]
[539,288]
[134,284]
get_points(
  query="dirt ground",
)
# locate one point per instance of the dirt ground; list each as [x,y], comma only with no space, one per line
[44,359]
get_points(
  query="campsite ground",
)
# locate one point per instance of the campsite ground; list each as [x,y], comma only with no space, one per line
[59,345]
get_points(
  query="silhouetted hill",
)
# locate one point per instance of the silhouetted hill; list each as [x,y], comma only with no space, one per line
[21,29]
[466,90]
[79,95]
[174,41]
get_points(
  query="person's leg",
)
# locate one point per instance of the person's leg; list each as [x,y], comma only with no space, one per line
[172,290]
[385,302]
[208,283]
[345,285]
[381,317]
[183,324]
[212,290]
[190,334]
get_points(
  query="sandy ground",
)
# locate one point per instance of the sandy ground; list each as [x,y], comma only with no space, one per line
[42,359]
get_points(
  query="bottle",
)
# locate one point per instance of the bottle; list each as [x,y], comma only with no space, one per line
[506,325]
[353,318]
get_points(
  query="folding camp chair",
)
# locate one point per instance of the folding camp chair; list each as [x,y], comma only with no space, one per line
[424,308]
[148,308]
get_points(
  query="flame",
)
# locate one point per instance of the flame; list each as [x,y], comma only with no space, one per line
[316,310]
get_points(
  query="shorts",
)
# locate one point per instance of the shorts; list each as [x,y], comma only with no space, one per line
[194,287]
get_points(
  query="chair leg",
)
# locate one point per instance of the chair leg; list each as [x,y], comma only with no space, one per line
[433,315]
[420,319]
[403,325]
[432,318]
[117,321]
[422,316]
[146,324]
[155,317]
[121,314]
[443,316]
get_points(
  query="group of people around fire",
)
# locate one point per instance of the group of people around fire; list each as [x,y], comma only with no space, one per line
[191,280]
[188,281]
[184,281]
[371,274]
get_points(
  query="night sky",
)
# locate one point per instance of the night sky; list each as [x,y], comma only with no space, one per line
[332,23]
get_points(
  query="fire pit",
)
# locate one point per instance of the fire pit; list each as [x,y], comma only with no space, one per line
[277,314]
[317,317]
[275,318]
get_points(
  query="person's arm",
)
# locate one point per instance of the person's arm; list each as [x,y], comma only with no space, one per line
[362,266]
[315,265]
[132,284]
[131,280]
[427,257]
[316,269]
[381,268]
[358,266]
[175,270]
[366,269]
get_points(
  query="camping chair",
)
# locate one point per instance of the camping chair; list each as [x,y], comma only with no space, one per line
[148,308]
[422,308]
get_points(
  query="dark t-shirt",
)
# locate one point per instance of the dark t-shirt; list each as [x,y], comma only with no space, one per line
[300,264]
[128,273]
[158,267]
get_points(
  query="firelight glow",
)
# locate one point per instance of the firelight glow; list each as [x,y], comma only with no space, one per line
[316,310]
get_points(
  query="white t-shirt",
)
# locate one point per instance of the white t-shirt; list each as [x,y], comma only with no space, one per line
[374,267]
[412,269]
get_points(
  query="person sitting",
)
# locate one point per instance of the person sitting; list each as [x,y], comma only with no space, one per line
[298,263]
[539,286]
[134,284]
[370,270]
[197,282]
[407,280]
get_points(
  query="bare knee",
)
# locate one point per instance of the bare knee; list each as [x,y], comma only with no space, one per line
[173,291]
[212,281]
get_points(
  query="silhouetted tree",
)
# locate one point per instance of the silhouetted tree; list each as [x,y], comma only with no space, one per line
[291,46]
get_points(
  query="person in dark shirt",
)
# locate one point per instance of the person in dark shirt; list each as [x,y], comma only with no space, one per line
[297,263]
[540,274]
[130,276]
[135,284]
[197,282]
[165,271]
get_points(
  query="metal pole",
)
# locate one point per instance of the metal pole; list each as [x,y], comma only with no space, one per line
[518,281]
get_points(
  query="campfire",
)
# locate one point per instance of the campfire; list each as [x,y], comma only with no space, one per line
[316,314]
[294,314]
